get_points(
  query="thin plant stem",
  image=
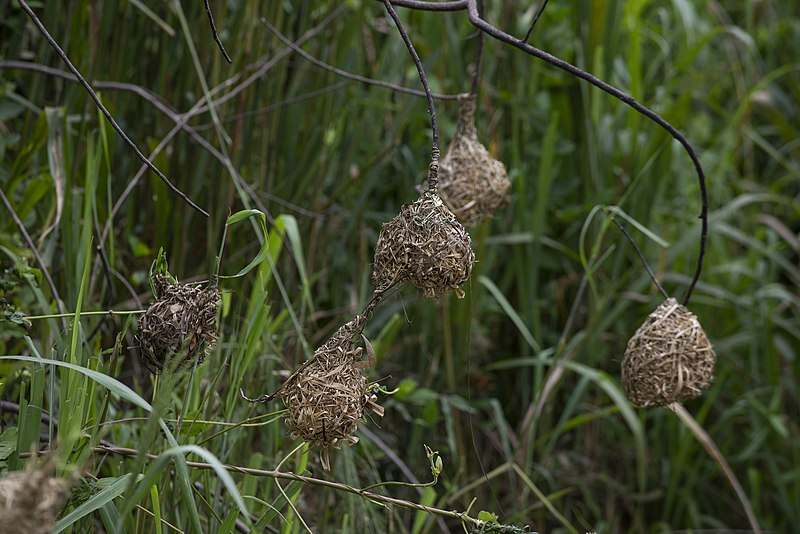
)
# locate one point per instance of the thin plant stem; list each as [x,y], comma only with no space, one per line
[83,314]
[636,249]
[534,21]
[38,23]
[215,34]
[345,74]
[280,488]
[433,170]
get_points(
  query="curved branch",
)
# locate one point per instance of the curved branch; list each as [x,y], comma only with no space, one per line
[457,5]
[433,170]
[500,35]
[38,23]
[345,74]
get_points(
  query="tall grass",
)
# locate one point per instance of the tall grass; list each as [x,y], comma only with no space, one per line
[517,385]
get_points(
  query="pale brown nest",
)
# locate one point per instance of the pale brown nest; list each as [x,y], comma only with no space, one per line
[30,501]
[327,396]
[181,325]
[668,359]
[471,182]
[424,245]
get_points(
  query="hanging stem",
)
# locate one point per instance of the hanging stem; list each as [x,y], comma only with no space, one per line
[533,23]
[433,170]
[216,35]
[636,249]
[478,56]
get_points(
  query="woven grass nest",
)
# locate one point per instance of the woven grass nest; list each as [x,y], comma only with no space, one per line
[328,395]
[181,323]
[30,501]
[668,359]
[424,245]
[471,182]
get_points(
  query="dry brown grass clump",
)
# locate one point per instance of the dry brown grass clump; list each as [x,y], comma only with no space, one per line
[30,501]
[181,323]
[424,245]
[668,359]
[471,182]
[328,395]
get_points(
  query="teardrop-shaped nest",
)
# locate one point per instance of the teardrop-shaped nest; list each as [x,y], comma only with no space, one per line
[327,396]
[471,182]
[424,245]
[30,501]
[668,359]
[181,323]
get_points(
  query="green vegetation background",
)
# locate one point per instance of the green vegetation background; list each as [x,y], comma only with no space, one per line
[517,385]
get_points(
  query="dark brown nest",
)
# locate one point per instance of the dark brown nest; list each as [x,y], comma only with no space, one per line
[471,182]
[327,396]
[181,325]
[30,501]
[668,359]
[425,245]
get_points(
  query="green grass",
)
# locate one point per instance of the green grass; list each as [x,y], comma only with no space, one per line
[517,385]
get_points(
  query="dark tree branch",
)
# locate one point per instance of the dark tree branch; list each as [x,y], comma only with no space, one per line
[476,76]
[216,35]
[457,5]
[38,23]
[535,19]
[433,170]
[346,74]
[500,35]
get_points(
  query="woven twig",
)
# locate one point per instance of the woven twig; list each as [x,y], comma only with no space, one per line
[181,323]
[424,245]
[668,359]
[327,396]
[471,182]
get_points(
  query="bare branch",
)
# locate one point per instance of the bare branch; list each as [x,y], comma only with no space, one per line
[216,35]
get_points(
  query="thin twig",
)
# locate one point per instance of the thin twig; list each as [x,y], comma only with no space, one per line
[216,35]
[457,5]
[39,260]
[38,23]
[500,35]
[535,20]
[286,497]
[711,448]
[636,249]
[433,170]
[367,495]
[345,74]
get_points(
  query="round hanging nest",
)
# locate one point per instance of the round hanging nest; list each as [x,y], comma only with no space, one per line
[471,182]
[424,245]
[668,359]
[181,323]
[30,501]
[327,396]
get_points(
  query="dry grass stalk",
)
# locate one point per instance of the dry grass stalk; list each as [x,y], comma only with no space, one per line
[30,501]
[327,396]
[471,182]
[668,359]
[424,245]
[181,323]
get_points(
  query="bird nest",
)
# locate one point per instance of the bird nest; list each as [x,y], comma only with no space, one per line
[180,326]
[328,395]
[668,359]
[471,182]
[30,501]
[425,245]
